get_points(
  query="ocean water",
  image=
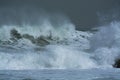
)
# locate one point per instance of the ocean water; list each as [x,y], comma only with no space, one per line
[57,51]
[81,74]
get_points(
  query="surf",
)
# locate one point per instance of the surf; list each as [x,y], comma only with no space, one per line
[58,46]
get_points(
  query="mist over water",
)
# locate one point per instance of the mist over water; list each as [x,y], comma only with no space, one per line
[84,14]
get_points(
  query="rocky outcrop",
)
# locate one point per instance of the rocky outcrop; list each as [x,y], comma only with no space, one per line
[40,41]
[29,37]
[117,63]
[14,34]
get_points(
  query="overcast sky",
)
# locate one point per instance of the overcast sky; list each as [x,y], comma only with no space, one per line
[83,13]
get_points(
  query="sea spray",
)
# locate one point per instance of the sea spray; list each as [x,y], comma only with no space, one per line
[67,48]
[105,44]
[64,50]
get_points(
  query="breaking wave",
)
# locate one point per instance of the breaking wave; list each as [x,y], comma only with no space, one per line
[48,46]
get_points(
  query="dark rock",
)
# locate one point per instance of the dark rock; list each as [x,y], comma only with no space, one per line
[42,41]
[29,37]
[117,63]
[14,34]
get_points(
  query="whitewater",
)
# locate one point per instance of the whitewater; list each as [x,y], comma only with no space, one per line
[49,47]
[57,51]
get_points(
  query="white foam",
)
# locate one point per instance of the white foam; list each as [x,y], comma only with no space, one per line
[105,44]
[67,53]
[54,57]
[68,49]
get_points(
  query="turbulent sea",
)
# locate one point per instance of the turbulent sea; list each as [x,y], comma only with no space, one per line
[59,52]
[81,74]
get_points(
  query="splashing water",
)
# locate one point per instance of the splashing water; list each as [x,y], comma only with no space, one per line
[47,46]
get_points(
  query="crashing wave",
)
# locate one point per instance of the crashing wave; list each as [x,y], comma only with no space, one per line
[58,47]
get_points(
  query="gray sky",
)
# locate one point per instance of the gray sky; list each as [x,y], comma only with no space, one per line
[85,14]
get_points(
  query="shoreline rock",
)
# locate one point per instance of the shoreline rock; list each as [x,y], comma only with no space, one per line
[117,63]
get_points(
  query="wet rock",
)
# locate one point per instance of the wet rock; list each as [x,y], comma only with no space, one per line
[42,41]
[29,37]
[14,34]
[117,63]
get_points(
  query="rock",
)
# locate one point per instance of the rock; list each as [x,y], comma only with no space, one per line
[117,63]
[42,41]
[29,37]
[14,34]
